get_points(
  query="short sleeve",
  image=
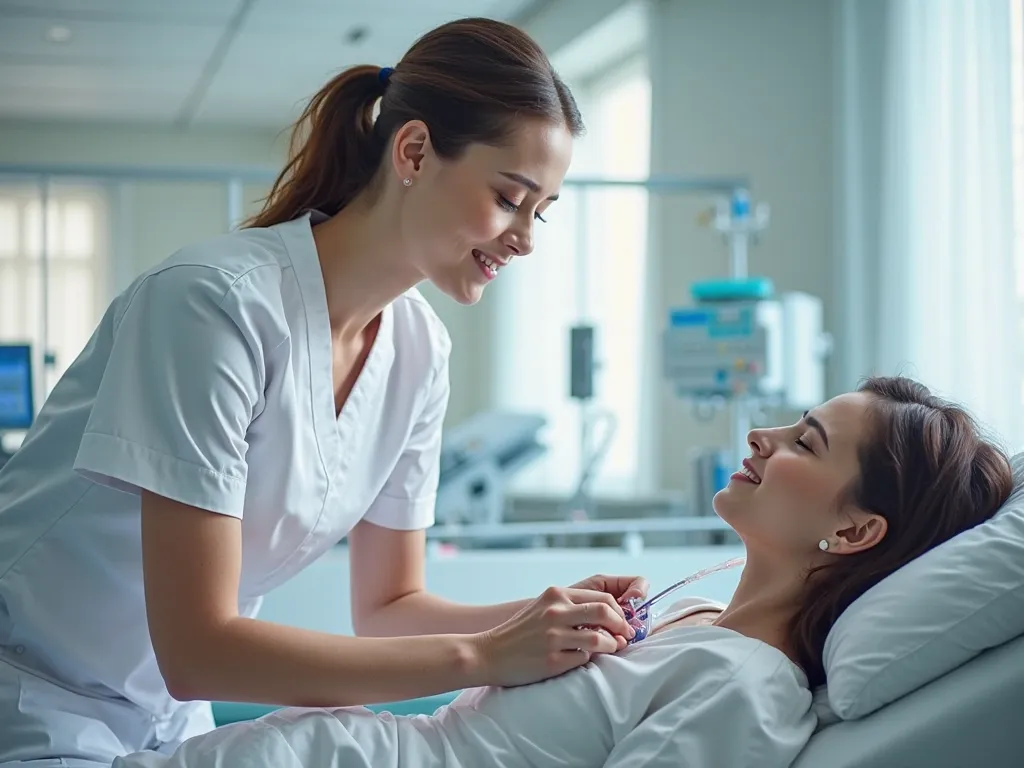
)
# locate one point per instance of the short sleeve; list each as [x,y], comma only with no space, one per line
[741,723]
[181,386]
[407,499]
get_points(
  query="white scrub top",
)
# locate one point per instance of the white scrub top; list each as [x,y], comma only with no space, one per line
[685,696]
[209,381]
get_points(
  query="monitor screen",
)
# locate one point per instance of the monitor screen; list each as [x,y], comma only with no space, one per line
[16,409]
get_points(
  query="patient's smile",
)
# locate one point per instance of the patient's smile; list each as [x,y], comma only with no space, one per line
[746,474]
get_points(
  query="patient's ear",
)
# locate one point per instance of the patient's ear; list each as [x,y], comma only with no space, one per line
[863,531]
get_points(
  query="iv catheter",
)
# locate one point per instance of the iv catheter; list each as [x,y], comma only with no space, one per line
[638,613]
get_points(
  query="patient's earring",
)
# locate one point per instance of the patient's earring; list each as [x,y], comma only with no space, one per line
[823,545]
[407,182]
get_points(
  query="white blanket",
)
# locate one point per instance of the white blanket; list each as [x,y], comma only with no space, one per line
[701,696]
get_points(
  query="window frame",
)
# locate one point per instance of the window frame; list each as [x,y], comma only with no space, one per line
[560,471]
[49,266]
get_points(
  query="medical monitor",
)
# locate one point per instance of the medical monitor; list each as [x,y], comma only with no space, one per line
[16,402]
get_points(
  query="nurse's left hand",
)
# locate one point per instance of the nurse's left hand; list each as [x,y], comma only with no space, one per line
[622,588]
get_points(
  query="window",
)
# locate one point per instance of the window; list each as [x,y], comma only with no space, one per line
[588,267]
[75,293]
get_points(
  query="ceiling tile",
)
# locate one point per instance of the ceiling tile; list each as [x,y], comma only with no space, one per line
[149,55]
[131,43]
[194,11]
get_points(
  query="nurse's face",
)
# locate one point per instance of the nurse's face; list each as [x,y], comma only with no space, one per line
[790,493]
[468,219]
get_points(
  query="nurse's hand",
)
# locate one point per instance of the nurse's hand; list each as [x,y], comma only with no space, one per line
[622,588]
[559,631]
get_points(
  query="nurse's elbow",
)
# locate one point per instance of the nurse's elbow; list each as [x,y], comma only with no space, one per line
[190,664]
[373,623]
[184,681]
[188,607]
[182,689]
[362,624]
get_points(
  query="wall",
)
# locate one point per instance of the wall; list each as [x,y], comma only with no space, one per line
[155,219]
[158,217]
[739,88]
[862,38]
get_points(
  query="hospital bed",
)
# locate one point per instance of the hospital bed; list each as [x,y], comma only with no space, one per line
[975,714]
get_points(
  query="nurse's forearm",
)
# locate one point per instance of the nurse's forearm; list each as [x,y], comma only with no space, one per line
[259,662]
[422,613]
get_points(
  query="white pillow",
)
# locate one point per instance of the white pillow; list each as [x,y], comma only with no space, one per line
[932,615]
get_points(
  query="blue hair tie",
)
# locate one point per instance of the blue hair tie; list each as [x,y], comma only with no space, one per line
[385,74]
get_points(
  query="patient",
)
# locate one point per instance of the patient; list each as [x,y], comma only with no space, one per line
[826,508]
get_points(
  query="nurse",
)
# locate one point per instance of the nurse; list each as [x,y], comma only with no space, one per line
[257,397]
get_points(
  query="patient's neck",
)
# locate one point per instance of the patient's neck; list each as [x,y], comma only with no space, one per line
[764,602]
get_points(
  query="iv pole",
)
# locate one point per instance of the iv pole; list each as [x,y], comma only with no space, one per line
[739,224]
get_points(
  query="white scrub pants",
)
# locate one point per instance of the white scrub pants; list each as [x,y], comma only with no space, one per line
[43,725]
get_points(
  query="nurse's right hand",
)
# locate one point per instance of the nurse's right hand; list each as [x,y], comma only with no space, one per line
[559,631]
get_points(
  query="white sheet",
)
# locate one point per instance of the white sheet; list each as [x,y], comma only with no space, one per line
[684,696]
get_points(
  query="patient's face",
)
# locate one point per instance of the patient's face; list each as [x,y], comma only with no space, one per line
[800,473]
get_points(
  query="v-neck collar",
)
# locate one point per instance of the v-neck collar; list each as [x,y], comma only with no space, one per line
[339,432]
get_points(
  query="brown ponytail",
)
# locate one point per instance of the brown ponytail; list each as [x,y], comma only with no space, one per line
[927,470]
[334,150]
[469,81]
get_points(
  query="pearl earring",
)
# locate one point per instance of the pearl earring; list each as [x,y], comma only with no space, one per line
[407,182]
[823,545]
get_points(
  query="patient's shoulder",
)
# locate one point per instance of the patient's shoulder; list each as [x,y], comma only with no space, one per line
[688,610]
[694,603]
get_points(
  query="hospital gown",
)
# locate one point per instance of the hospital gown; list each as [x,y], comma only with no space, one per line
[686,696]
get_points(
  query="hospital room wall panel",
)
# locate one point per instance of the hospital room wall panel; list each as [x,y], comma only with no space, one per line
[739,87]
[125,145]
[156,218]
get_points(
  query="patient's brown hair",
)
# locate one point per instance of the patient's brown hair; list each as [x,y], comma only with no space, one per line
[926,468]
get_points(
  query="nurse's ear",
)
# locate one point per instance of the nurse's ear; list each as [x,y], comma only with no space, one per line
[409,149]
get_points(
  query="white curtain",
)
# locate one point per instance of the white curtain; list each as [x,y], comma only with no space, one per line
[927,173]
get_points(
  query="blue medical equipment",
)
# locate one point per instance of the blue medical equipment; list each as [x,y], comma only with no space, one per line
[17,407]
[478,457]
[740,345]
[638,612]
[751,289]
[769,350]
[16,404]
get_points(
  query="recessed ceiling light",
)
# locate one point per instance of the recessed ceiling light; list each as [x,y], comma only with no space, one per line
[58,34]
